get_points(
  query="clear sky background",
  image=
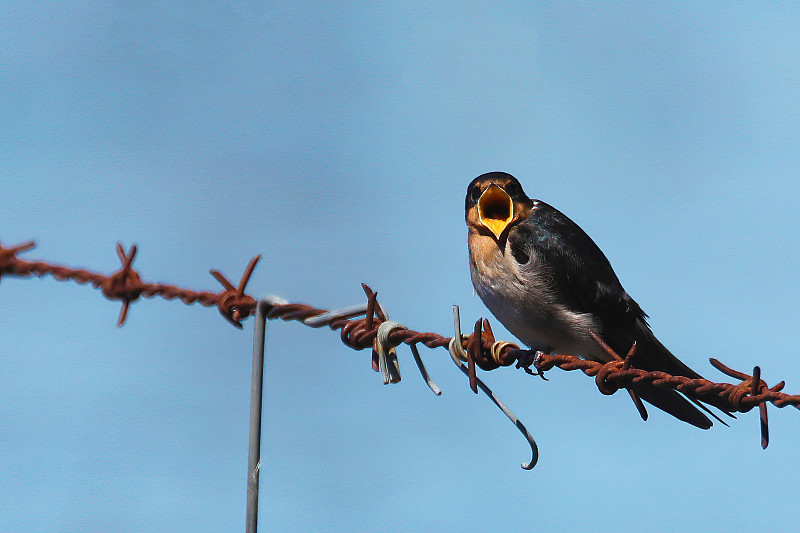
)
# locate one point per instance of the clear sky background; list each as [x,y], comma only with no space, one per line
[337,139]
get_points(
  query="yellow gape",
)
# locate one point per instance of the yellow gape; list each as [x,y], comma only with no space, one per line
[495,209]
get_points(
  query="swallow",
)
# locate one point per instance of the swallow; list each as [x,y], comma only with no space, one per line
[551,286]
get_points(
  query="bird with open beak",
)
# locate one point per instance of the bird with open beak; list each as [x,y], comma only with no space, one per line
[550,285]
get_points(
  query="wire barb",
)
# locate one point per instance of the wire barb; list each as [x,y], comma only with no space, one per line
[751,386]
[604,386]
[473,353]
[124,284]
[233,303]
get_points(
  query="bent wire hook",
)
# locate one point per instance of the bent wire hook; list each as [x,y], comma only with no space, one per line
[458,355]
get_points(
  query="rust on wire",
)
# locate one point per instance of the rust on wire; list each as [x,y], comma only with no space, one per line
[233,303]
[124,284]
[483,350]
[473,353]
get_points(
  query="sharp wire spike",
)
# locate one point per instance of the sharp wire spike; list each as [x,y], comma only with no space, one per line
[423,371]
[472,355]
[370,317]
[638,403]
[248,271]
[222,279]
[123,313]
[755,388]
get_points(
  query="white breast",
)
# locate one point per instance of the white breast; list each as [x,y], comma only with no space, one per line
[521,298]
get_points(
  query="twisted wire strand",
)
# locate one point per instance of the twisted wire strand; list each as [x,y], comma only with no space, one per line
[360,333]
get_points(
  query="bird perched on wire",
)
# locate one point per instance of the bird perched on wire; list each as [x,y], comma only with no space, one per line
[550,285]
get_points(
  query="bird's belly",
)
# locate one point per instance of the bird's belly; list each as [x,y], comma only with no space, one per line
[528,309]
[533,324]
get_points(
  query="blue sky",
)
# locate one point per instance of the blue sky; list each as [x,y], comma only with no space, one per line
[337,139]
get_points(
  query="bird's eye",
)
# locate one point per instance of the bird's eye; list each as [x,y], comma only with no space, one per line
[473,194]
[514,190]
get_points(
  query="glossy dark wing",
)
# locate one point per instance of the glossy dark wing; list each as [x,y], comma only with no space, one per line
[585,282]
[576,266]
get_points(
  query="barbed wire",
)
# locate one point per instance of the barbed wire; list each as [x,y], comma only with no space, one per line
[235,305]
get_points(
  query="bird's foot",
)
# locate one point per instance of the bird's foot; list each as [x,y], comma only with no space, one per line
[528,359]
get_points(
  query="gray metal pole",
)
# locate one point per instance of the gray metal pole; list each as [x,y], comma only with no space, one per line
[256,390]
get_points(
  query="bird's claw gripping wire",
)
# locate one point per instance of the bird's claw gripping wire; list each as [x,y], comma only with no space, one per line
[527,359]
[457,354]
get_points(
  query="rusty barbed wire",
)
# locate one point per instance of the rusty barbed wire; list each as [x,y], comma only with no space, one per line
[127,286]
[235,305]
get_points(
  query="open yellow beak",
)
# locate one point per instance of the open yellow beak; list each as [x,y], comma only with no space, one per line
[495,209]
